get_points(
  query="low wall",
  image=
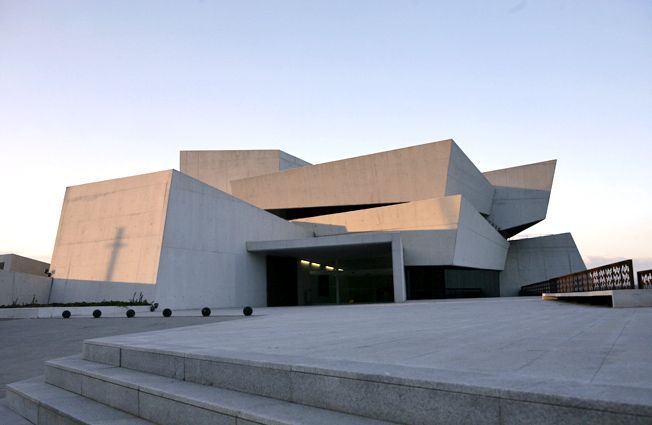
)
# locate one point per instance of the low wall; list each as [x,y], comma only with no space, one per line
[71,291]
[23,288]
[619,297]
[50,312]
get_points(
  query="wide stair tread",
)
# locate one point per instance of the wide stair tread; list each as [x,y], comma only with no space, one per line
[203,402]
[42,403]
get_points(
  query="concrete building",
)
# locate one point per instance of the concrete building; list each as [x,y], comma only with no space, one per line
[20,264]
[23,280]
[266,228]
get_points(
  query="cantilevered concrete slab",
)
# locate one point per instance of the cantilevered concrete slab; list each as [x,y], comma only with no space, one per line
[217,168]
[429,214]
[521,196]
[454,233]
[342,248]
[419,172]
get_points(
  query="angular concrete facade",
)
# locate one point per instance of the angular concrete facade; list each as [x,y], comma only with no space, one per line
[219,168]
[521,196]
[266,228]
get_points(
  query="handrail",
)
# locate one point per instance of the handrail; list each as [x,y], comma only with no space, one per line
[618,275]
[644,279]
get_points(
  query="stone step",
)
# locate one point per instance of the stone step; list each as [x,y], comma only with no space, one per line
[169,401]
[9,417]
[385,392]
[41,403]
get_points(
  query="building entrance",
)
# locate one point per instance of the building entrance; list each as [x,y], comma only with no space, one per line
[330,277]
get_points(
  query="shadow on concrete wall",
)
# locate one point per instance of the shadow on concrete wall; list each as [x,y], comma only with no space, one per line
[115,249]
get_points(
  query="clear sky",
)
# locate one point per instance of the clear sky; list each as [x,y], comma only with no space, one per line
[92,90]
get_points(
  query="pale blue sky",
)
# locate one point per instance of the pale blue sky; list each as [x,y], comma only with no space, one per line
[92,90]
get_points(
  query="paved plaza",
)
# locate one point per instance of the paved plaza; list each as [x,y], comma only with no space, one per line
[491,360]
[506,337]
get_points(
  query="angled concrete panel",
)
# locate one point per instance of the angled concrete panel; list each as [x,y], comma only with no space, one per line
[287,161]
[430,214]
[471,242]
[534,260]
[217,168]
[515,209]
[441,231]
[538,176]
[204,260]
[478,244]
[429,247]
[112,230]
[521,197]
[402,175]
[464,178]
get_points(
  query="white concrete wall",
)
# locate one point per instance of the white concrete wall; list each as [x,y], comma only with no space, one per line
[429,247]
[22,288]
[72,291]
[537,259]
[478,244]
[112,230]
[465,178]
[204,261]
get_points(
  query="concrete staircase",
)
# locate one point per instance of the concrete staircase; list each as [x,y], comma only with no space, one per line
[78,391]
[129,384]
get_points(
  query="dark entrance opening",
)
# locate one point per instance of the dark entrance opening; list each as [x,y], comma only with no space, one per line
[348,282]
[281,281]
[433,282]
[342,274]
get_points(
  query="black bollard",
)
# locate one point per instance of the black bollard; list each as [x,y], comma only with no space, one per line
[97,313]
[167,312]
[131,313]
[66,314]
[247,311]
[205,311]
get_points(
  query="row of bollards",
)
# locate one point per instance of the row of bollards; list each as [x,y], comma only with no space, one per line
[97,313]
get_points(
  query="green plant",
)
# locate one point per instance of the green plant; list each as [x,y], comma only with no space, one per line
[111,303]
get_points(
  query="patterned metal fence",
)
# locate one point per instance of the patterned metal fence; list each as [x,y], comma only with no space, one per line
[612,276]
[645,279]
